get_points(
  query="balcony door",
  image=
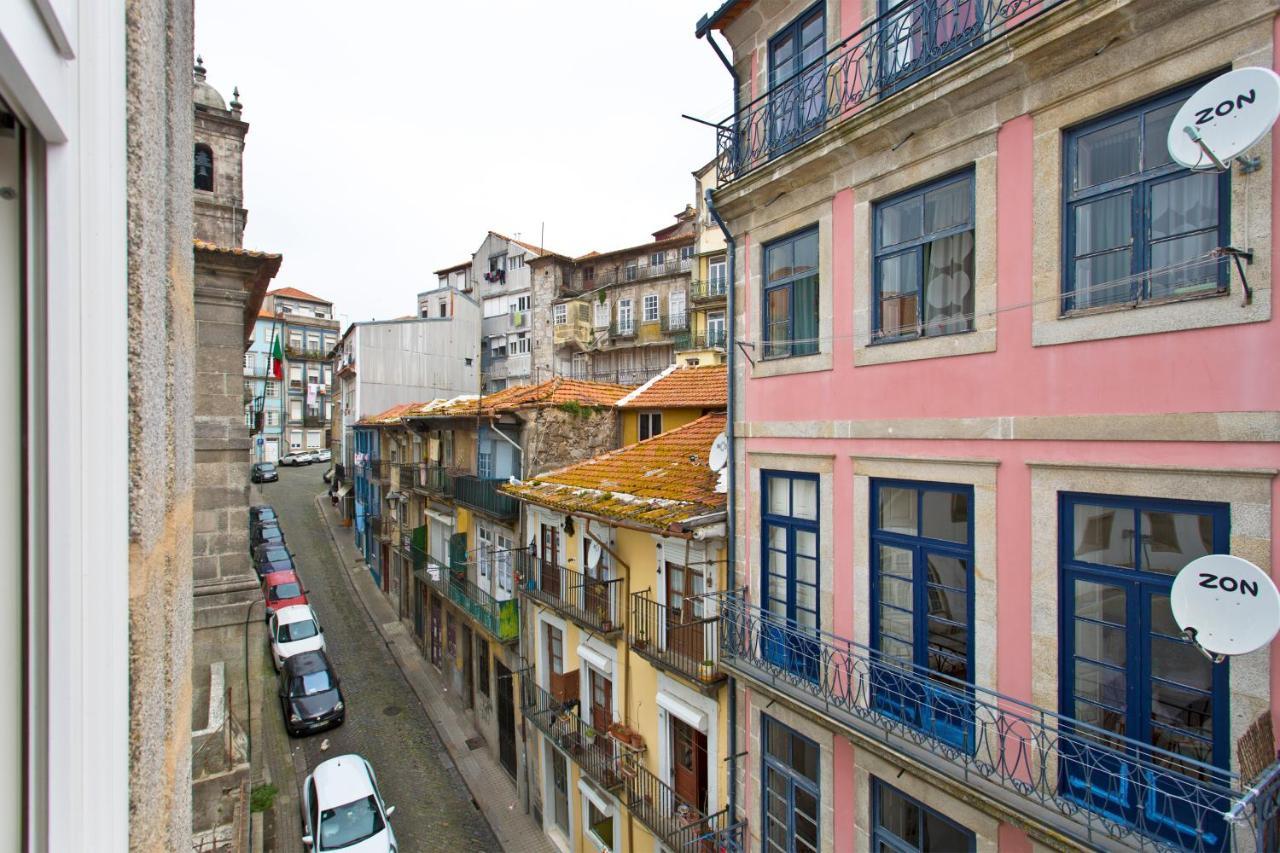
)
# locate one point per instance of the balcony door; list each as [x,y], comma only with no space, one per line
[1126,668]
[549,553]
[791,577]
[685,586]
[919,36]
[689,764]
[797,80]
[601,700]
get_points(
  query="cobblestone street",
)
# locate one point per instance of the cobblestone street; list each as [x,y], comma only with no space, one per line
[385,721]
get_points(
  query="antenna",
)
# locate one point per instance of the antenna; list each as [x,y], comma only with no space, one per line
[1225,605]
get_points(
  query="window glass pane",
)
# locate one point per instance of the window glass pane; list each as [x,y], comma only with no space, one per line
[942,835]
[806,253]
[778,321]
[948,285]
[946,516]
[776,742]
[805,494]
[1104,224]
[1100,642]
[1155,136]
[950,572]
[1101,685]
[1103,535]
[899,282]
[779,496]
[806,821]
[901,221]
[895,591]
[804,757]
[807,543]
[947,206]
[806,595]
[895,650]
[897,510]
[805,326]
[1107,153]
[1187,269]
[896,562]
[1103,279]
[899,815]
[896,623]
[1170,540]
[781,261]
[1100,602]
[1189,203]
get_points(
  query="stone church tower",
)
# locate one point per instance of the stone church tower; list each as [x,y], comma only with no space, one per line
[219,164]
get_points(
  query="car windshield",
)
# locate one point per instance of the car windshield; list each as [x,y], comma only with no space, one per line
[349,824]
[271,533]
[267,466]
[311,684]
[296,631]
[275,553]
[282,591]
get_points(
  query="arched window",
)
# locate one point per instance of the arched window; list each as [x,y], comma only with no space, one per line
[204,167]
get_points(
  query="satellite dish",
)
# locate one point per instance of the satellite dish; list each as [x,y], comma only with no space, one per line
[1224,117]
[594,553]
[719,455]
[1229,605]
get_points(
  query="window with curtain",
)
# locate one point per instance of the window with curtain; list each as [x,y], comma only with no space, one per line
[924,242]
[901,824]
[791,295]
[792,789]
[1138,227]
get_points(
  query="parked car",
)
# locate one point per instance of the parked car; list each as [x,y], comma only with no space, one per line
[264,472]
[261,512]
[282,589]
[266,533]
[294,459]
[324,456]
[293,630]
[310,694]
[343,810]
[272,557]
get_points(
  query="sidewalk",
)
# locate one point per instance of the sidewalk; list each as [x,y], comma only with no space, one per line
[489,784]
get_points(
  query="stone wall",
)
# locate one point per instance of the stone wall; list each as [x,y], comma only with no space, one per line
[557,437]
[547,275]
[161,372]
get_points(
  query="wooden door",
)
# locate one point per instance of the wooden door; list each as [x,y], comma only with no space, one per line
[435,631]
[468,679]
[506,718]
[684,612]
[689,764]
[550,556]
[601,701]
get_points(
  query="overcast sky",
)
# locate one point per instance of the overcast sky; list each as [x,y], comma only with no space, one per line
[386,137]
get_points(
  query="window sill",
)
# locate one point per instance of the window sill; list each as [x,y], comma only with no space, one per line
[1117,307]
[895,350]
[784,365]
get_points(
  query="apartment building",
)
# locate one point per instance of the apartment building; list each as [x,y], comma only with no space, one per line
[437,301]
[500,277]
[446,544]
[620,313]
[627,727]
[988,401]
[295,412]
[704,342]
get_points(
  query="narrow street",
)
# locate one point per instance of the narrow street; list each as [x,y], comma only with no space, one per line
[385,721]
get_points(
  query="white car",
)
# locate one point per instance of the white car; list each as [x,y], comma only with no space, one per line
[324,455]
[294,629]
[343,810]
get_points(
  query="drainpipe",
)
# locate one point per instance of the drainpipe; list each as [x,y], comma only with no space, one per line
[731,518]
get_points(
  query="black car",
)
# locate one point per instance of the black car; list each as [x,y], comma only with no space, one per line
[261,512]
[266,534]
[272,558]
[310,695]
[264,472]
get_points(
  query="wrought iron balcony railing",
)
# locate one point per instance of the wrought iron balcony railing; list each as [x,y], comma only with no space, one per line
[306,353]
[706,291]
[679,824]
[482,494]
[622,330]
[911,41]
[375,469]
[677,640]
[675,322]
[701,340]
[594,751]
[500,619]
[1090,784]
[431,479]
[588,601]
[629,273]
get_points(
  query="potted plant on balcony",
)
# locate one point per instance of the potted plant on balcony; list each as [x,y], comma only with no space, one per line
[589,735]
[637,740]
[641,641]
[602,619]
[708,671]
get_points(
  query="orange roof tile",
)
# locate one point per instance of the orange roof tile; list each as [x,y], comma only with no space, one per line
[553,392]
[659,482]
[702,387]
[294,293]
[390,417]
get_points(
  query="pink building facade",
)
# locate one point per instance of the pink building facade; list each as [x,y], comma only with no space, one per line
[995,383]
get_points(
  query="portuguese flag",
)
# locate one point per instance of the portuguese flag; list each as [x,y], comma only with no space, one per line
[277,358]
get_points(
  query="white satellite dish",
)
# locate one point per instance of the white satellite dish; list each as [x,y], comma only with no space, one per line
[1228,605]
[719,455]
[1224,117]
[594,553]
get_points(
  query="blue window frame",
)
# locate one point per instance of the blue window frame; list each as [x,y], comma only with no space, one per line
[791,295]
[1126,668]
[797,80]
[791,789]
[924,256]
[922,606]
[1138,227]
[901,823]
[791,578]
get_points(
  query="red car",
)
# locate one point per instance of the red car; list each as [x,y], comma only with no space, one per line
[282,589]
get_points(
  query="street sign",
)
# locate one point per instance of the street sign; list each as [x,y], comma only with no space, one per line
[260,441]
[1227,605]
[1224,117]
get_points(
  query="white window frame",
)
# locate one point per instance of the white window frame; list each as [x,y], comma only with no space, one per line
[676,304]
[601,316]
[717,271]
[650,308]
[560,314]
[626,319]
[273,418]
[657,260]
[484,548]
[592,798]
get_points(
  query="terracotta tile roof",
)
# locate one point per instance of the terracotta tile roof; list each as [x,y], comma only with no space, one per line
[703,387]
[670,242]
[294,293]
[390,417]
[657,483]
[553,392]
